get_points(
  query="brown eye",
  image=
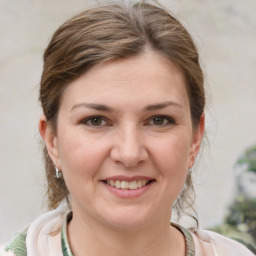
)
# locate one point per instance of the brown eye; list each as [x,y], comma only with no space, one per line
[161,120]
[96,121]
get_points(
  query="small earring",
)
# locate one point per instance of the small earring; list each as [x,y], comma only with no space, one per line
[193,160]
[58,174]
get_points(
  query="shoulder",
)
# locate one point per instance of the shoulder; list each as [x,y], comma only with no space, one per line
[17,246]
[42,237]
[219,245]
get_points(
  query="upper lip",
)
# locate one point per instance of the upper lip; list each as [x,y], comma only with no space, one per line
[125,178]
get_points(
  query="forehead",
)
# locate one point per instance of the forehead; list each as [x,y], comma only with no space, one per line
[145,78]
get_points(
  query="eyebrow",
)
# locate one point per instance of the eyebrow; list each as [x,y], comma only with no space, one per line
[104,108]
[99,107]
[158,106]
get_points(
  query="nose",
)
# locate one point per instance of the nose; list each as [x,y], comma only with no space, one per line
[129,148]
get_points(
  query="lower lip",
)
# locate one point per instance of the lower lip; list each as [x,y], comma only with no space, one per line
[128,193]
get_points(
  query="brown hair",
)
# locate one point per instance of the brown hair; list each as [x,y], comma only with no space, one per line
[108,32]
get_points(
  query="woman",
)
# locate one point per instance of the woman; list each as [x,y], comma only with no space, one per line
[123,100]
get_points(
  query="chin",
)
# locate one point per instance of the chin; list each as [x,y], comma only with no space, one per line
[127,219]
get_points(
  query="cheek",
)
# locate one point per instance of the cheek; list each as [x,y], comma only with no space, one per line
[81,157]
[171,158]
[172,154]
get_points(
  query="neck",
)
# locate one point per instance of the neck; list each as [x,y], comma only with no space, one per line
[91,238]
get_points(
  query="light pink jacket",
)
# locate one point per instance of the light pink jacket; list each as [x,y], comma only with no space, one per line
[213,244]
[40,243]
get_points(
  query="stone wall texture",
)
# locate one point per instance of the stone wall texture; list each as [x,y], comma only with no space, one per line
[225,32]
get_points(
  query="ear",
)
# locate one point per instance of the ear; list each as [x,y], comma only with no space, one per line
[197,139]
[50,139]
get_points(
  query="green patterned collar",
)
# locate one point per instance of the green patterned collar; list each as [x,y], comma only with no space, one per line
[64,237]
[190,246]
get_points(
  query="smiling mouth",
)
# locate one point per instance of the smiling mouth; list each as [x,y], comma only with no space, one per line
[132,185]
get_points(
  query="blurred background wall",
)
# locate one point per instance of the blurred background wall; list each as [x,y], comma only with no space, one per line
[225,32]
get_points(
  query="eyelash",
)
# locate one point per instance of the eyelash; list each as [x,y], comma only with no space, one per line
[170,120]
[90,118]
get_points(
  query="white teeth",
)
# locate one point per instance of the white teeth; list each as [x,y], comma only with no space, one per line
[117,184]
[124,184]
[135,184]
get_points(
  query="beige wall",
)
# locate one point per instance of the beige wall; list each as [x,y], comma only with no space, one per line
[225,32]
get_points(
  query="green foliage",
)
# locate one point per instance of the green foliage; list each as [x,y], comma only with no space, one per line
[242,213]
[249,158]
[240,222]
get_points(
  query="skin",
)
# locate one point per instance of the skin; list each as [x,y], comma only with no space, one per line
[129,141]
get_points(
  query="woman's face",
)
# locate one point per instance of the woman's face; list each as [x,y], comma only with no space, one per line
[125,141]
